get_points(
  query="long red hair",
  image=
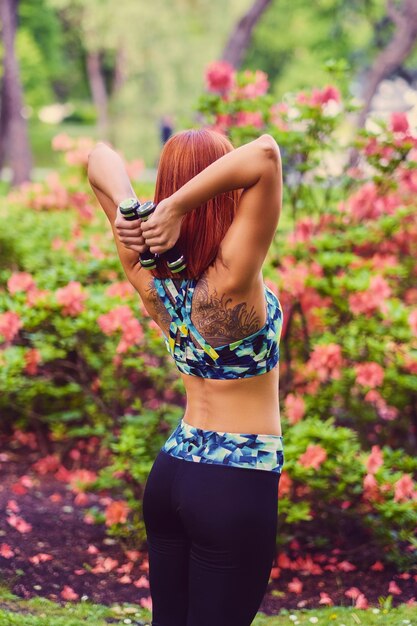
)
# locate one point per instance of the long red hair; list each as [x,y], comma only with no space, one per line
[184,155]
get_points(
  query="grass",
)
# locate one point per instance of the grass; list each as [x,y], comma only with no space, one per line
[42,612]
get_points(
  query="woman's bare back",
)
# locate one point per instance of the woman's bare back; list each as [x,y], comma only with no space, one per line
[221,315]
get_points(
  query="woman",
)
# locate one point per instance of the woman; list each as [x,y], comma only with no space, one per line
[210,502]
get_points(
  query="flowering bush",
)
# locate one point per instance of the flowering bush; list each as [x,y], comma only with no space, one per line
[304,125]
[81,358]
[348,359]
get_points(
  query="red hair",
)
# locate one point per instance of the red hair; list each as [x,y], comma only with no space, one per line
[184,155]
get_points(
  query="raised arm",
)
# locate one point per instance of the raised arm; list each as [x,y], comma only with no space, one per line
[255,168]
[240,169]
[111,184]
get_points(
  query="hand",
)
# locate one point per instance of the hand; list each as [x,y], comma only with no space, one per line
[130,232]
[162,230]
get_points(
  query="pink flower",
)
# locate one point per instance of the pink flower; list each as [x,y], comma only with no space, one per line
[326,361]
[361,602]
[294,408]
[375,460]
[304,230]
[380,288]
[387,412]
[277,111]
[352,592]
[330,93]
[81,202]
[20,281]
[146,603]
[132,334]
[9,325]
[32,360]
[62,142]
[220,77]
[412,320]
[313,456]
[116,512]
[5,551]
[399,123]
[257,86]
[319,97]
[121,318]
[68,593]
[19,524]
[296,586]
[366,302]
[285,484]
[325,598]
[378,566]
[369,374]
[360,303]
[394,588]
[223,122]
[249,118]
[79,154]
[294,276]
[115,319]
[367,203]
[71,298]
[121,289]
[404,488]
[370,487]
[142,581]
[346,566]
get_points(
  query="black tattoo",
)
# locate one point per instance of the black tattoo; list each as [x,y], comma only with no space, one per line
[217,320]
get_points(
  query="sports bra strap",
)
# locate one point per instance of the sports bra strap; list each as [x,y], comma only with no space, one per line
[181,312]
[175,310]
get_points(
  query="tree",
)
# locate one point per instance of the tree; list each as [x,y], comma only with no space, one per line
[240,38]
[13,126]
[396,52]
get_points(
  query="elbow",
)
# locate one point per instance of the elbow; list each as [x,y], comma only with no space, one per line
[269,148]
[100,145]
[91,158]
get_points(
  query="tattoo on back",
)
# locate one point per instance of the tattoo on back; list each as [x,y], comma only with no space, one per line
[216,319]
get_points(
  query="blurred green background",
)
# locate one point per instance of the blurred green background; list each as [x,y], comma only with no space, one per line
[112,70]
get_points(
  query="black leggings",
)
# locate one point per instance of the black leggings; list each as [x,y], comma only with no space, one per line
[211,532]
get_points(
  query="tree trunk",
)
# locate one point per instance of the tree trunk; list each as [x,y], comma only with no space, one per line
[98,90]
[240,38]
[397,51]
[13,125]
[120,75]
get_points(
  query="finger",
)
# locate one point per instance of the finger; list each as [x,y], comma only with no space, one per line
[158,249]
[121,222]
[155,241]
[130,236]
[148,228]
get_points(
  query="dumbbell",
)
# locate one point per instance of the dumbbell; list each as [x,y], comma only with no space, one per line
[131,209]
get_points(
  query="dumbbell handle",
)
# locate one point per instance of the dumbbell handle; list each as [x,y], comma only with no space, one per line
[174,258]
[129,209]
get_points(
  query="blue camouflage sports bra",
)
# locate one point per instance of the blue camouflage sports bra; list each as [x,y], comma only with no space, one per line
[255,354]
